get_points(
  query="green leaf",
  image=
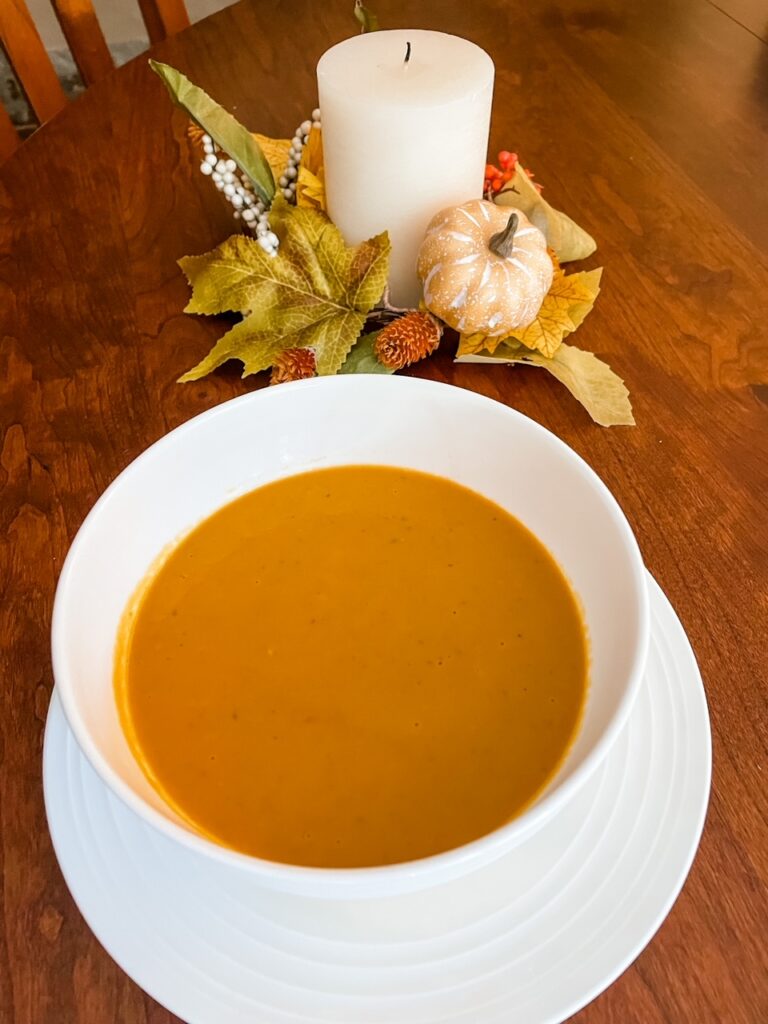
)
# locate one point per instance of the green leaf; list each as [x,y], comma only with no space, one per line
[222,280]
[591,381]
[236,141]
[362,358]
[315,293]
[569,241]
[367,19]
[332,339]
[255,349]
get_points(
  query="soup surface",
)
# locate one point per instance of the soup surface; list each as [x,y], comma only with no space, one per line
[353,666]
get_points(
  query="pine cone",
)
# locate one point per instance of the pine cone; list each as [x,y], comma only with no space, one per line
[293,364]
[407,340]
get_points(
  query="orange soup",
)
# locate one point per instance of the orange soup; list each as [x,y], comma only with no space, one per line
[354,666]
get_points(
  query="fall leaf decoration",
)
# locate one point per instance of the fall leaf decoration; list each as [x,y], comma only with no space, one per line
[303,296]
[591,381]
[228,134]
[362,358]
[564,235]
[310,190]
[565,306]
[275,152]
[368,20]
[407,340]
[315,293]
[195,135]
[293,364]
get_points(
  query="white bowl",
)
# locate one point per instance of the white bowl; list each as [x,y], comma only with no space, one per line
[334,421]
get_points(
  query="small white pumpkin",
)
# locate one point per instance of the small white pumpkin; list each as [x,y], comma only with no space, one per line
[484,270]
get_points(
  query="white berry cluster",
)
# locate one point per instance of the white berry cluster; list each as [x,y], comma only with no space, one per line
[287,180]
[238,188]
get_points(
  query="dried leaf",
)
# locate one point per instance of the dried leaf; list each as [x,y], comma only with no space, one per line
[312,154]
[471,344]
[591,381]
[195,135]
[236,141]
[315,293]
[368,20]
[569,241]
[564,308]
[275,151]
[362,358]
[257,350]
[310,189]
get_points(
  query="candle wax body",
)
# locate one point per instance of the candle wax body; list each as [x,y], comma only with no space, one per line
[402,141]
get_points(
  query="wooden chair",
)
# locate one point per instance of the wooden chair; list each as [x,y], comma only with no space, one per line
[33,68]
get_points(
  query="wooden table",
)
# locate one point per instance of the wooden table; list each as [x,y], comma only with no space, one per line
[650,125]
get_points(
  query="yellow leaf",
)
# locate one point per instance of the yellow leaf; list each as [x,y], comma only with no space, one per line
[310,190]
[565,306]
[478,344]
[591,381]
[569,241]
[312,154]
[590,280]
[276,152]
[469,344]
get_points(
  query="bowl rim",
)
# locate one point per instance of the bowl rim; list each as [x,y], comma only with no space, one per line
[302,877]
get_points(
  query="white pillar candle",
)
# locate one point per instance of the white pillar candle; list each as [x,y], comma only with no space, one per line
[402,140]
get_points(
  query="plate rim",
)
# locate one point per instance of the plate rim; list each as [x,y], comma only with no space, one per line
[658,600]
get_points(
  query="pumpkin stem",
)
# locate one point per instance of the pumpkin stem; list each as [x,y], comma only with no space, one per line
[503,242]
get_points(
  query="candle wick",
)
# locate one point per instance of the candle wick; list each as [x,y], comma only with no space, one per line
[407,52]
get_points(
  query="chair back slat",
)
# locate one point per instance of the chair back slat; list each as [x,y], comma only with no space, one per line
[9,137]
[84,38]
[24,48]
[163,18]
[30,63]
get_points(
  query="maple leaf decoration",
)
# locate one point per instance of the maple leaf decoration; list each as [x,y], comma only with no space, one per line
[565,306]
[315,293]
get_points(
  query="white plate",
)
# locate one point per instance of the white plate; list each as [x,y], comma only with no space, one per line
[533,937]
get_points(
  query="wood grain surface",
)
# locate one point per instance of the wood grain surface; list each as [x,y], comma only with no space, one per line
[648,122]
